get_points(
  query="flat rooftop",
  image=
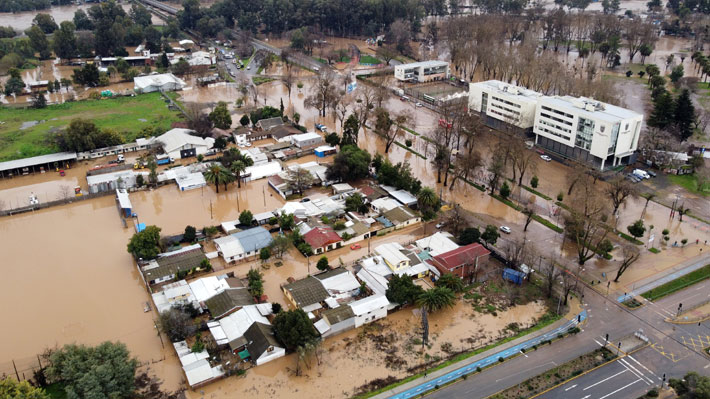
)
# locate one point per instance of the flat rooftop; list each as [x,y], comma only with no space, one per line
[603,111]
[430,63]
[508,89]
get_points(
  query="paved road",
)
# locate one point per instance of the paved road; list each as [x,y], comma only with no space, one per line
[674,349]
[678,271]
[625,378]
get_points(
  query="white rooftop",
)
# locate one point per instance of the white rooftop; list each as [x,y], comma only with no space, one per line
[229,246]
[340,284]
[385,204]
[173,294]
[436,244]
[368,304]
[207,287]
[591,108]
[176,138]
[142,82]
[123,199]
[263,170]
[404,197]
[305,136]
[392,253]
[236,324]
[190,181]
[521,93]
[430,63]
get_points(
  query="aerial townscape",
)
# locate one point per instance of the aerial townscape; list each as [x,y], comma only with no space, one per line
[216,199]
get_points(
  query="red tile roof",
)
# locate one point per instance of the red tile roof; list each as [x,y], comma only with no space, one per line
[320,237]
[460,256]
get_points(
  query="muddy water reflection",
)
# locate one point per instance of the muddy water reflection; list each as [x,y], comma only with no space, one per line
[23,20]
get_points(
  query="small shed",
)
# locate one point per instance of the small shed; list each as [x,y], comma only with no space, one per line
[124,203]
[325,150]
[513,276]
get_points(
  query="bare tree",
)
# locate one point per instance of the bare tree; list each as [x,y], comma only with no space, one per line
[585,222]
[323,92]
[388,127]
[550,275]
[455,220]
[529,213]
[631,255]
[496,168]
[619,189]
[299,180]
[64,192]
[465,166]
[288,80]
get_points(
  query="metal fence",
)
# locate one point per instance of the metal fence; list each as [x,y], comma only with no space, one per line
[43,205]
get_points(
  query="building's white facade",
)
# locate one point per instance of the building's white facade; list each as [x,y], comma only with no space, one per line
[590,131]
[162,83]
[503,102]
[424,71]
[369,309]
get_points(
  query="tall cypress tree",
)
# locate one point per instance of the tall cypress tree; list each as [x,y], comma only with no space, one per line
[663,110]
[684,115]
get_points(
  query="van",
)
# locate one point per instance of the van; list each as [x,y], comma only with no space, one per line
[642,174]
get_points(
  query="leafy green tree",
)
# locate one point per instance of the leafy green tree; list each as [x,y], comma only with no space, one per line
[469,235]
[534,182]
[323,263]
[505,190]
[684,115]
[264,254]
[255,283]
[220,116]
[83,135]
[39,41]
[176,324]
[637,229]
[286,221]
[351,163]
[182,67]
[88,75]
[246,217]
[451,281]
[217,174]
[190,234]
[140,15]
[436,299]
[244,121]
[145,244]
[677,73]
[38,100]
[293,329]
[11,389]
[355,203]
[645,50]
[332,139]
[490,235]
[220,143]
[14,85]
[692,386]
[64,41]
[280,245]
[82,21]
[402,290]
[45,22]
[351,129]
[652,70]
[106,371]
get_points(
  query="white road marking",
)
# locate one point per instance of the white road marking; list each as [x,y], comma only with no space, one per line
[586,397]
[606,379]
[622,388]
[598,343]
[646,368]
[649,382]
[570,387]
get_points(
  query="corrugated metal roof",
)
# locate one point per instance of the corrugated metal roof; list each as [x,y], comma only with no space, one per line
[39,160]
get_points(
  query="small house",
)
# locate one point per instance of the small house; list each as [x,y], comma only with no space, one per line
[323,239]
[401,217]
[463,262]
[262,344]
[306,139]
[169,264]
[269,123]
[306,294]
[227,301]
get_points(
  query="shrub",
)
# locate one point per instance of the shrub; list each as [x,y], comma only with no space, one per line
[560,196]
[408,143]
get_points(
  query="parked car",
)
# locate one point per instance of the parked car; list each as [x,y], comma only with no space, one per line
[355,246]
[419,104]
[545,158]
[505,229]
[306,200]
[440,225]
[652,173]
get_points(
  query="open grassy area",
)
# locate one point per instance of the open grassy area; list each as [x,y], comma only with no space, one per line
[690,183]
[678,284]
[127,115]
[368,59]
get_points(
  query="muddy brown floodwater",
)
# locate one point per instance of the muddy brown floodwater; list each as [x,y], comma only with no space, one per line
[68,278]
[23,20]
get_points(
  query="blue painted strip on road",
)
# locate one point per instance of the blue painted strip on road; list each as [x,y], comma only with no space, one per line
[623,298]
[429,385]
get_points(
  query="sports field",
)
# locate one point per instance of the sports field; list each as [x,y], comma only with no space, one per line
[29,132]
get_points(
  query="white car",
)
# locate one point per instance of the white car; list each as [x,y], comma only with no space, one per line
[419,104]
[545,158]
[439,225]
[505,229]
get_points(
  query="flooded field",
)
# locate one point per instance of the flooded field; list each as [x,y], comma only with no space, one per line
[68,279]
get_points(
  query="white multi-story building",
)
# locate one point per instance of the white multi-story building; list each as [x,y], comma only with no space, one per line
[424,71]
[586,130]
[500,102]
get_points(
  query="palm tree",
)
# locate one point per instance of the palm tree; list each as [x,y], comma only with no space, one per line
[427,199]
[237,168]
[436,299]
[451,281]
[649,197]
[217,174]
[682,210]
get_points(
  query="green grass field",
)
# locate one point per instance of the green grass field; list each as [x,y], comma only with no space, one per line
[678,284]
[368,59]
[690,183]
[127,115]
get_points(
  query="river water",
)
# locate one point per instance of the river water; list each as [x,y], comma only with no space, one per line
[23,20]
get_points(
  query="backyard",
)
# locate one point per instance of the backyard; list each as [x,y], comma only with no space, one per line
[27,132]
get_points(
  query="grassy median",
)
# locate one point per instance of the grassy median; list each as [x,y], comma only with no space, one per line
[678,284]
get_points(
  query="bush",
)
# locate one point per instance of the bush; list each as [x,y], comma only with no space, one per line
[534,182]
[408,143]
[560,196]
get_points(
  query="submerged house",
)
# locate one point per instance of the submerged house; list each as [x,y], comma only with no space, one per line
[167,265]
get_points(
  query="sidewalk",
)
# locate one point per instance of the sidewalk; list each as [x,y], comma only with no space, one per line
[651,282]
[469,365]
